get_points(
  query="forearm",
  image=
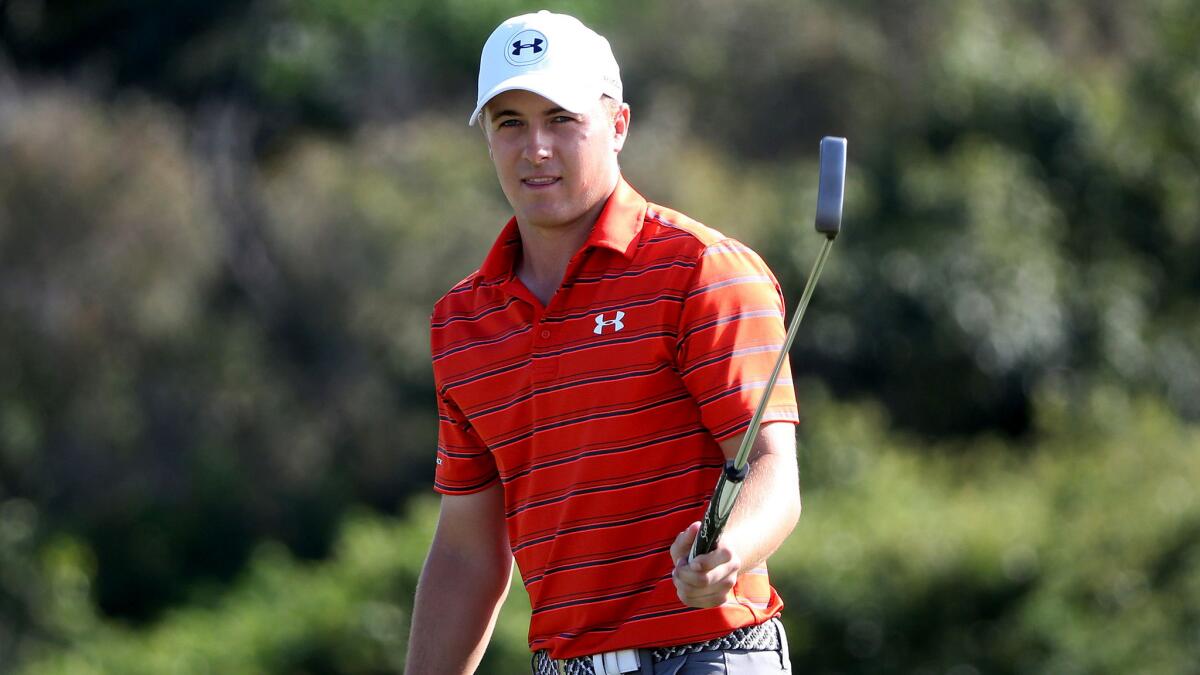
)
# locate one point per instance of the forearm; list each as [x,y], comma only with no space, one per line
[454,612]
[769,504]
[766,511]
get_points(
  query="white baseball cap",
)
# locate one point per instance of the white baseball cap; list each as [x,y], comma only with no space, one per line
[552,55]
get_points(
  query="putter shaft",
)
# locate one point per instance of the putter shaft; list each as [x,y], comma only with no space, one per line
[830,193]
[729,485]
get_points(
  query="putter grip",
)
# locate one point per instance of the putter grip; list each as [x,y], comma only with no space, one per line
[719,508]
[710,530]
[832,186]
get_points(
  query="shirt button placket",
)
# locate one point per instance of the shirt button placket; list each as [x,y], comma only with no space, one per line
[544,368]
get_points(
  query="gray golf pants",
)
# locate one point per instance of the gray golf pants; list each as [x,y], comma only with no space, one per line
[733,662]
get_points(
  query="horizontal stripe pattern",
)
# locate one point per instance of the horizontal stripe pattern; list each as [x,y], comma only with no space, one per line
[600,416]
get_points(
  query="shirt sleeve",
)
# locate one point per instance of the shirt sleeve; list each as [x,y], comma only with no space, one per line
[464,464]
[731,331]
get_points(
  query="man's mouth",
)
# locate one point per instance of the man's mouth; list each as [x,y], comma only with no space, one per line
[540,181]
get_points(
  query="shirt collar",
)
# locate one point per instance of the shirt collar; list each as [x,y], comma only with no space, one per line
[616,228]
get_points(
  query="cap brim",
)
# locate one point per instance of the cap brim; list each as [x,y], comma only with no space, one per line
[566,94]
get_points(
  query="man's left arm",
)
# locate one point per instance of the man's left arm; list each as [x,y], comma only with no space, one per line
[763,516]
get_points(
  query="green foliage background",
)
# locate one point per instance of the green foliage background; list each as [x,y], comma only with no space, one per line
[223,226]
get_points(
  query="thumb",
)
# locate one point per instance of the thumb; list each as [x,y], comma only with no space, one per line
[682,545]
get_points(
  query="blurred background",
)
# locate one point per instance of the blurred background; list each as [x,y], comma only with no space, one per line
[223,226]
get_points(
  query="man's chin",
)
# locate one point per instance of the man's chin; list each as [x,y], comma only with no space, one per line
[548,218]
[548,223]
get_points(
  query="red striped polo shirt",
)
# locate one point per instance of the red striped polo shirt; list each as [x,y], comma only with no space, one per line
[600,414]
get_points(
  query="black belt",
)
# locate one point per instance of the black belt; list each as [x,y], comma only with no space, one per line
[766,636]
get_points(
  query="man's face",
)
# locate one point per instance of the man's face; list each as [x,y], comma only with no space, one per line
[554,166]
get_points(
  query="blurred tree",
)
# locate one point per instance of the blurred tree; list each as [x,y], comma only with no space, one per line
[205,353]
[906,560]
[222,227]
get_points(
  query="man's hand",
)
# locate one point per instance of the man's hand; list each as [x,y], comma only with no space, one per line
[707,580]
[764,515]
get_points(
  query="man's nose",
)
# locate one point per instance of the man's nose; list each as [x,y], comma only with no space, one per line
[537,145]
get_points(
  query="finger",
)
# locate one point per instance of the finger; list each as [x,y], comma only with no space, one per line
[711,597]
[697,590]
[722,576]
[712,559]
[694,596]
[683,542]
[688,579]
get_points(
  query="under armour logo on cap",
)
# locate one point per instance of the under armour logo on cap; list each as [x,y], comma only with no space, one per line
[533,41]
[616,323]
[536,45]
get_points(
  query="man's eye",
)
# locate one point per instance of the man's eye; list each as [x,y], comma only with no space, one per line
[510,123]
[563,118]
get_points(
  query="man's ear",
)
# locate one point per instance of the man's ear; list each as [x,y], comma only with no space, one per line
[621,127]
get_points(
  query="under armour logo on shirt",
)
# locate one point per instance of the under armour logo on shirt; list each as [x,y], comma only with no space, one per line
[616,323]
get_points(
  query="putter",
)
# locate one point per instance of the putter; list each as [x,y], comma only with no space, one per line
[830,191]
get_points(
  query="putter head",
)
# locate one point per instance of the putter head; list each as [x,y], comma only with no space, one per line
[832,186]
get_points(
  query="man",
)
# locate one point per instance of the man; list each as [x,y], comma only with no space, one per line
[593,376]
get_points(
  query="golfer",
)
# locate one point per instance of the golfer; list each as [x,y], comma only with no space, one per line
[592,377]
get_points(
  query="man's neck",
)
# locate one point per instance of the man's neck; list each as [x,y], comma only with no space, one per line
[546,251]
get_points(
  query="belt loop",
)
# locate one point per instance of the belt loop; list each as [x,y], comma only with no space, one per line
[645,661]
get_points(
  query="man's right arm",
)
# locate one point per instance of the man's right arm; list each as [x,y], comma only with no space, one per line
[462,585]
